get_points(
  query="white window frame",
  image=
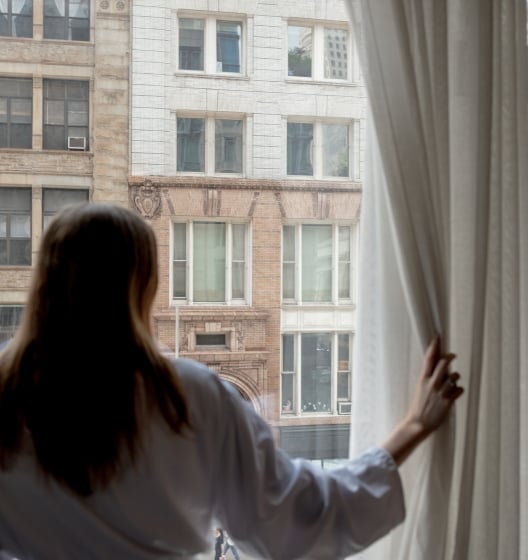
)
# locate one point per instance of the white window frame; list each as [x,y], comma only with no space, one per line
[335,300]
[210,143]
[229,300]
[318,52]
[318,152]
[297,405]
[209,55]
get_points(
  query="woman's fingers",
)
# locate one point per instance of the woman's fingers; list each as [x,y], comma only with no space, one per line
[441,370]
[431,356]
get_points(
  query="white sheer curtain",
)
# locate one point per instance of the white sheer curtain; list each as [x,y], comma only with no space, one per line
[444,245]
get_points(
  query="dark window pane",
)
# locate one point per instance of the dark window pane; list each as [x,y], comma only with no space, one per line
[228,35]
[300,149]
[191,47]
[55,28]
[228,146]
[21,136]
[54,138]
[316,359]
[191,144]
[20,252]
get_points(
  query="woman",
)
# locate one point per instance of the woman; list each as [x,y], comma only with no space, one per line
[108,450]
[219,544]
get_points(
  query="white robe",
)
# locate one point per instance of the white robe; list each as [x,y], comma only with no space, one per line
[226,471]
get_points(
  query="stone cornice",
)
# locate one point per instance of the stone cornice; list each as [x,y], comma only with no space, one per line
[245,184]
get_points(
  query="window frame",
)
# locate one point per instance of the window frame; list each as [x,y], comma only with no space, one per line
[5,330]
[209,144]
[47,215]
[297,264]
[229,300]
[66,103]
[319,52]
[9,239]
[10,15]
[9,113]
[318,158]
[210,46]
[66,21]
[297,407]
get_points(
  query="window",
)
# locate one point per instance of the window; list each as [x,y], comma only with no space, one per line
[67,19]
[209,262]
[317,263]
[10,317]
[318,52]
[55,199]
[16,18]
[16,112]
[192,134]
[318,149]
[210,45]
[65,112]
[218,340]
[315,373]
[15,226]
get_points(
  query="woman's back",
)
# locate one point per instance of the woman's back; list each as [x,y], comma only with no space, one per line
[226,469]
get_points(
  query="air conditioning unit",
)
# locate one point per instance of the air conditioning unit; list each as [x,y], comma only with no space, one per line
[344,407]
[77,143]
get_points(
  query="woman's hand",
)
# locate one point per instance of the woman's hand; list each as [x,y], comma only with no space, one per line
[434,395]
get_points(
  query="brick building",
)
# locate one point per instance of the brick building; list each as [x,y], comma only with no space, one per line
[64,69]
[246,131]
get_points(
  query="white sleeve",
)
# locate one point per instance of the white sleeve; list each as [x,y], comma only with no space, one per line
[276,507]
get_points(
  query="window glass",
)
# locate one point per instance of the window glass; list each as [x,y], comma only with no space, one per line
[209,261]
[335,150]
[288,262]
[16,18]
[67,19]
[190,144]
[344,263]
[191,47]
[228,46]
[316,263]
[336,54]
[179,275]
[65,112]
[288,374]
[299,51]
[55,199]
[15,226]
[343,367]
[300,149]
[211,256]
[316,372]
[16,112]
[238,259]
[10,318]
[228,146]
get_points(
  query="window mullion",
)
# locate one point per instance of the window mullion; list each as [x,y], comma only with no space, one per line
[334,367]
[298,264]
[210,45]
[318,52]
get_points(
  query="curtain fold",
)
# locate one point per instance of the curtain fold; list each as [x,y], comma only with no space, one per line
[444,249]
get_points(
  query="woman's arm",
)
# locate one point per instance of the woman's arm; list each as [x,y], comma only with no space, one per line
[435,393]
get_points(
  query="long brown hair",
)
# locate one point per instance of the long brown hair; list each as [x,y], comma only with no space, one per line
[83,371]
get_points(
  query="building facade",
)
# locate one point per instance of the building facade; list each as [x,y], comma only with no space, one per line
[64,103]
[246,141]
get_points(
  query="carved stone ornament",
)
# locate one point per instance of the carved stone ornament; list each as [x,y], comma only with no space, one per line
[105,4]
[148,200]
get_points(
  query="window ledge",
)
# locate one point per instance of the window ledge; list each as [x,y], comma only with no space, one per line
[348,83]
[236,77]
